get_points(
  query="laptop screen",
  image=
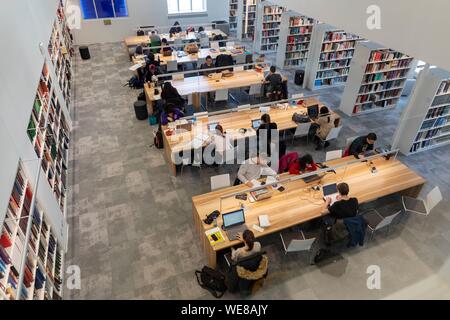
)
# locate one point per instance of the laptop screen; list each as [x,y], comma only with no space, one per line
[233,218]
[256,124]
[330,189]
[313,111]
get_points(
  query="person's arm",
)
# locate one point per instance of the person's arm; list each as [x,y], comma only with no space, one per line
[242,172]
[354,149]
[164,119]
[268,171]
[294,168]
[326,206]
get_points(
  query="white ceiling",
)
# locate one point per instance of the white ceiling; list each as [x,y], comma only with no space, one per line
[417,28]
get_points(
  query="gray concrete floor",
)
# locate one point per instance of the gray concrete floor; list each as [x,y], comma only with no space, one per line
[131,229]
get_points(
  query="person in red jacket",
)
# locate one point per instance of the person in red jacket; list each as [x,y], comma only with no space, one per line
[303,165]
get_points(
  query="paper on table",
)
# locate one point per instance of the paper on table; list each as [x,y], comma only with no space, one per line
[272,179]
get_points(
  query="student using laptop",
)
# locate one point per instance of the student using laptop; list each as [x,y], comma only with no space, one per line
[275,87]
[253,169]
[344,207]
[361,145]
[251,246]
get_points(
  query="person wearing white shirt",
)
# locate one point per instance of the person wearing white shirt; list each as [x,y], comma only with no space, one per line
[253,169]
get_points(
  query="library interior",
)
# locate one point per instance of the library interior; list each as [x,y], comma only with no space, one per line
[234,149]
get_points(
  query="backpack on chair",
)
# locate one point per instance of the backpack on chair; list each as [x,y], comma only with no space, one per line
[212,280]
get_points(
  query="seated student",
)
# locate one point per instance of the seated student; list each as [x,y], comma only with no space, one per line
[303,165]
[251,246]
[165,48]
[323,126]
[170,95]
[139,51]
[170,114]
[222,144]
[154,37]
[275,87]
[201,33]
[208,64]
[191,47]
[176,28]
[286,161]
[151,71]
[265,132]
[361,145]
[253,169]
[344,207]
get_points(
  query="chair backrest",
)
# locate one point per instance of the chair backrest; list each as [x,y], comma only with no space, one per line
[255,89]
[221,95]
[230,44]
[172,66]
[178,76]
[238,68]
[240,58]
[204,42]
[221,181]
[298,96]
[433,199]
[300,245]
[215,45]
[302,129]
[349,141]
[387,221]
[334,133]
[243,107]
[332,155]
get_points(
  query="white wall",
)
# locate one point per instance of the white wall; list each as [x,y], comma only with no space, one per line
[418,28]
[142,12]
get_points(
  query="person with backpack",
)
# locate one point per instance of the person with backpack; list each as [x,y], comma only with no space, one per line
[251,246]
[170,95]
[275,84]
[176,28]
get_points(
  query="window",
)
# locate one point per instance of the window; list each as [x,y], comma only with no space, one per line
[104,9]
[186,6]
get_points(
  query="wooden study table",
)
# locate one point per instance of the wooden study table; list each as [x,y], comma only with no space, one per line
[296,205]
[196,86]
[231,123]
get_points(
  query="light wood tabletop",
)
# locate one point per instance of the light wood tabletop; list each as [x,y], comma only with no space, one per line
[299,204]
[232,122]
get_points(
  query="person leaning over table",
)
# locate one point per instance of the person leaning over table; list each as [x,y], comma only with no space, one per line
[344,207]
[303,165]
[253,169]
[176,28]
[251,246]
[323,125]
[361,145]
[170,114]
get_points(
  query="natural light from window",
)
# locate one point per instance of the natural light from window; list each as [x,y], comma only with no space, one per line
[186,6]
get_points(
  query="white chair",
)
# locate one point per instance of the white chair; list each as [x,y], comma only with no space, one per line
[230,44]
[215,45]
[221,95]
[254,90]
[333,155]
[302,130]
[221,181]
[420,206]
[297,242]
[178,43]
[334,134]
[204,43]
[240,58]
[172,66]
[238,68]
[349,141]
[178,76]
[298,96]
[243,107]
[196,162]
[375,221]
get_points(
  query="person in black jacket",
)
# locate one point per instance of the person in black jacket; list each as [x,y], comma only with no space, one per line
[170,95]
[275,87]
[361,145]
[264,132]
[344,207]
[176,28]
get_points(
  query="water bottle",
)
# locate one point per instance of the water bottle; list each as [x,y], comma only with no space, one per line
[215,223]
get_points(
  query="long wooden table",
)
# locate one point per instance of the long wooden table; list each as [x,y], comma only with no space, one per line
[231,123]
[296,205]
[196,86]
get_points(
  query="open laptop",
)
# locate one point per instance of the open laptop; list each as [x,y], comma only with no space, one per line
[313,111]
[330,191]
[234,223]
[313,178]
[256,124]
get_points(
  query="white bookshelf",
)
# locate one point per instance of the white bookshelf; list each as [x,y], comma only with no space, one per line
[268,21]
[425,122]
[295,39]
[330,54]
[246,19]
[233,15]
[376,79]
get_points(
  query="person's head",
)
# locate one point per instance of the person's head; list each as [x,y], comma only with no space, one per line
[201,29]
[176,23]
[343,189]
[262,159]
[265,118]
[307,159]
[273,69]
[371,138]
[151,67]
[219,130]
[164,41]
[209,60]
[150,56]
[249,239]
[153,32]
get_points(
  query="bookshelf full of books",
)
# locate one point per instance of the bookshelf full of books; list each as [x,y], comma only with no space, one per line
[331,52]
[295,38]
[268,27]
[30,259]
[233,14]
[425,123]
[246,19]
[376,80]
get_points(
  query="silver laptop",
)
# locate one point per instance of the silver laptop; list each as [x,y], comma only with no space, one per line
[330,191]
[234,223]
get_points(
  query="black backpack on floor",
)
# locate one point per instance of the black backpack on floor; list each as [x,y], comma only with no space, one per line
[212,280]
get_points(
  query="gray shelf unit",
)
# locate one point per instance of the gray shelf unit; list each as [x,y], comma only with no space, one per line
[376,80]
[268,21]
[233,15]
[246,19]
[315,59]
[425,122]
